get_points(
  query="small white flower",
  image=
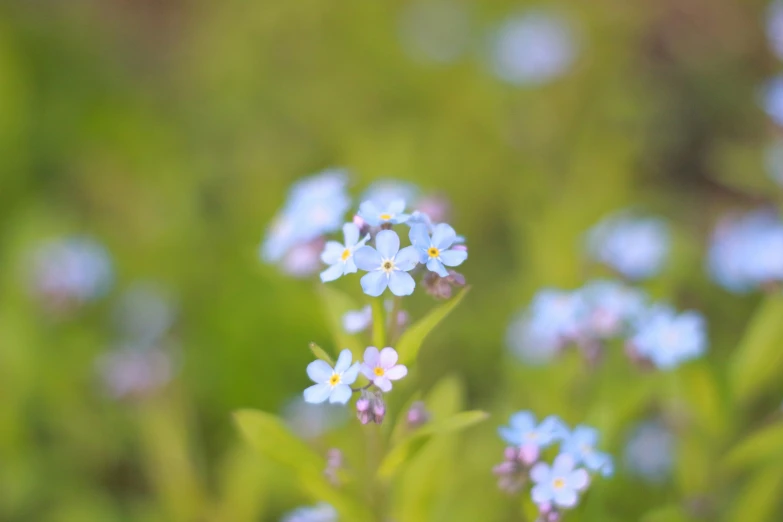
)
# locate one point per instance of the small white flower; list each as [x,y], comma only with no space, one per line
[333,384]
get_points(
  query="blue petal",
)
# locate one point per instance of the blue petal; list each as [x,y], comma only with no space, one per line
[433,265]
[332,252]
[453,257]
[419,236]
[443,236]
[401,283]
[369,212]
[523,421]
[565,497]
[374,283]
[407,258]
[340,394]
[317,393]
[387,242]
[542,493]
[367,258]
[343,361]
[351,234]
[509,435]
[396,207]
[350,266]
[319,371]
[333,272]
[350,375]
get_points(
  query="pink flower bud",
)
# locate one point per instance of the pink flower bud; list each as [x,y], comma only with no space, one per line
[364,417]
[528,454]
[362,405]
[510,453]
[504,468]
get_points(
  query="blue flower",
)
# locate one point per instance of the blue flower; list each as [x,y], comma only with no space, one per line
[668,339]
[524,431]
[650,451]
[610,307]
[436,252]
[772,93]
[315,206]
[384,192]
[340,257]
[581,445]
[635,247]
[387,266]
[775,27]
[321,512]
[559,484]
[376,215]
[333,384]
[71,269]
[533,48]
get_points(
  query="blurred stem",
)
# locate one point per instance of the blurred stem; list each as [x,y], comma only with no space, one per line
[394,324]
[378,324]
[376,451]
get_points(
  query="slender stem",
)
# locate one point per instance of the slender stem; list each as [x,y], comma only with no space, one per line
[394,323]
[354,390]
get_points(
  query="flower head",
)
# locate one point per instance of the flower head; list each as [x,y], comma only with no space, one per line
[321,512]
[668,339]
[387,266]
[610,307]
[436,251]
[525,431]
[333,384]
[340,257]
[379,214]
[649,452]
[559,484]
[581,445]
[382,368]
[355,321]
[635,247]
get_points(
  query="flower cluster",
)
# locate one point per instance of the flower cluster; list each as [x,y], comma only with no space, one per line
[70,271]
[746,251]
[321,512]
[555,487]
[636,247]
[600,311]
[380,368]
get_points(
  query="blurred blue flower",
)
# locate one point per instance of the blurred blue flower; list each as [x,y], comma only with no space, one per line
[310,421]
[315,206]
[70,270]
[775,27]
[533,48]
[133,371]
[636,247]
[610,307]
[668,339]
[772,94]
[435,30]
[559,484]
[333,384]
[581,444]
[747,251]
[649,452]
[387,266]
[383,193]
[376,215]
[355,321]
[773,160]
[532,340]
[340,257]
[436,251]
[523,430]
[321,512]
[145,313]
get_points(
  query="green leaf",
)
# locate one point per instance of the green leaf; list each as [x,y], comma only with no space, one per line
[759,357]
[671,513]
[757,448]
[411,340]
[406,449]
[759,497]
[321,354]
[378,324]
[336,303]
[267,434]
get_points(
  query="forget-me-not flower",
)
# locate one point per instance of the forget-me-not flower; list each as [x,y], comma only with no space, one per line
[333,384]
[772,94]
[355,321]
[385,191]
[340,257]
[610,307]
[375,214]
[581,445]
[382,368]
[668,339]
[525,431]
[321,512]
[436,251]
[649,452]
[387,265]
[559,484]
[635,247]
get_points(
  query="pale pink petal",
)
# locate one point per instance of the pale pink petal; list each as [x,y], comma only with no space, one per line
[371,356]
[383,383]
[388,358]
[397,372]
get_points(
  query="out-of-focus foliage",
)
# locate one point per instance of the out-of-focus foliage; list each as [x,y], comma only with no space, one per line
[169,132]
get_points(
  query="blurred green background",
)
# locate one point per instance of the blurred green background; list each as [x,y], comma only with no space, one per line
[170,131]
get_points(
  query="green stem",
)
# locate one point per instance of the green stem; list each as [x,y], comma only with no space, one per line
[394,324]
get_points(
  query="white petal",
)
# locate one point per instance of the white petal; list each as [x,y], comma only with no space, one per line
[383,383]
[350,375]
[371,356]
[388,358]
[396,373]
[351,234]
[340,394]
[333,272]
[332,252]
[319,371]
[343,361]
[317,393]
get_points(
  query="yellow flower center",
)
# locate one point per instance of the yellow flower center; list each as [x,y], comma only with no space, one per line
[346,254]
[433,252]
[558,483]
[334,380]
[379,371]
[386,217]
[387,266]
